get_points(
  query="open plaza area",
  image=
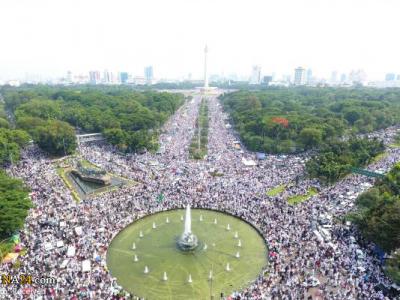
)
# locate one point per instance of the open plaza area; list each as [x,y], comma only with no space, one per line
[90,245]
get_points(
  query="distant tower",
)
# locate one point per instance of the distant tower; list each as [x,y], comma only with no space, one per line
[255,77]
[148,74]
[299,76]
[205,68]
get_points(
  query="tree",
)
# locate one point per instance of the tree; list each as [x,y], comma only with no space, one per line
[14,205]
[117,137]
[352,116]
[56,137]
[310,137]
[11,141]
[4,123]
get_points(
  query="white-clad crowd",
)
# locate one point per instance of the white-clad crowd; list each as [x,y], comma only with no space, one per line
[311,254]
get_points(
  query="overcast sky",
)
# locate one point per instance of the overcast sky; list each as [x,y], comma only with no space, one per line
[49,37]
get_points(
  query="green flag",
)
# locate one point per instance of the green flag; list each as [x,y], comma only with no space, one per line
[160,197]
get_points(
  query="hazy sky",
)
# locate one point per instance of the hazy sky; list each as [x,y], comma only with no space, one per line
[49,37]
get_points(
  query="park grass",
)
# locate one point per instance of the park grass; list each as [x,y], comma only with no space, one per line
[392,269]
[198,149]
[157,250]
[395,145]
[300,198]
[6,247]
[62,173]
[379,157]
[276,190]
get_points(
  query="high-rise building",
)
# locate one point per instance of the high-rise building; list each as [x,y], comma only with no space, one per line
[70,77]
[390,77]
[398,77]
[255,77]
[123,77]
[309,76]
[267,80]
[94,77]
[343,77]
[107,76]
[334,76]
[300,76]
[148,74]
[357,76]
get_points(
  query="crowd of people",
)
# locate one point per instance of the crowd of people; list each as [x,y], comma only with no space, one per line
[312,254]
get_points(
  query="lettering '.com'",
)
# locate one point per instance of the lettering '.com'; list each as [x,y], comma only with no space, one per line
[27,280]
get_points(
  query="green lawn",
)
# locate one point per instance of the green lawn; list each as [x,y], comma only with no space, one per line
[300,198]
[276,190]
[62,173]
[393,269]
[5,247]
[379,157]
[157,250]
[395,145]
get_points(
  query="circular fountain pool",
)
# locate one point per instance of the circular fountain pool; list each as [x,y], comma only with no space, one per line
[229,250]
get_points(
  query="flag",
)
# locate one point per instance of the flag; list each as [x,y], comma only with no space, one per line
[15,239]
[160,197]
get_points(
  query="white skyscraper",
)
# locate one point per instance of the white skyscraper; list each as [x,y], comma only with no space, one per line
[255,77]
[300,76]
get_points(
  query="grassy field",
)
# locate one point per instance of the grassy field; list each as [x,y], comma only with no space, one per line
[276,190]
[5,247]
[393,269]
[395,145]
[380,157]
[300,198]
[157,250]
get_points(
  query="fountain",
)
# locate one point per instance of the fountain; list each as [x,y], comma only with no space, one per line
[228,267]
[215,221]
[154,225]
[175,249]
[187,241]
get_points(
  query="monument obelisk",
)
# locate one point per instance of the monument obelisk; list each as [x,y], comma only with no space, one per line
[205,68]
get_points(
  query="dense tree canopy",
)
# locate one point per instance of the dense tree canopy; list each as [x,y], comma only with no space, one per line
[14,205]
[378,211]
[377,216]
[55,137]
[11,142]
[314,115]
[335,158]
[133,116]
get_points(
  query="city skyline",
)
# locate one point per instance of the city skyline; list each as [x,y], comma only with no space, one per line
[50,38]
